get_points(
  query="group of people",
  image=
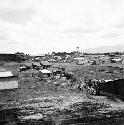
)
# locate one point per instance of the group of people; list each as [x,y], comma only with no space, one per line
[90,86]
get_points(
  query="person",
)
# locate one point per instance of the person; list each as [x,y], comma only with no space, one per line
[56,85]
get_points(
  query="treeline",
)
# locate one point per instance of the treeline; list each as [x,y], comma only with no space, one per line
[73,52]
[109,54]
[63,53]
[17,57]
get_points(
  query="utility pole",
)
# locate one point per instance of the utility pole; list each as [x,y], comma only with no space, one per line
[77,49]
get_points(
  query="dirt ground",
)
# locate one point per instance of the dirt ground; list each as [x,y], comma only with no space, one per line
[64,109]
[36,102]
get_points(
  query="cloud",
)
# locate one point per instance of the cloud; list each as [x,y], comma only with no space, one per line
[18,16]
[120,25]
[8,5]
[38,26]
[2,37]
[111,35]
[81,31]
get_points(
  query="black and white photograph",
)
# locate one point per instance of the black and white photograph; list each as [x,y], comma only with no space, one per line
[61,62]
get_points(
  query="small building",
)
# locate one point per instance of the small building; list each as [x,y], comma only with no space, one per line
[55,71]
[39,57]
[80,61]
[58,57]
[44,73]
[36,65]
[8,80]
[51,60]
[116,60]
[112,88]
[28,65]
[45,64]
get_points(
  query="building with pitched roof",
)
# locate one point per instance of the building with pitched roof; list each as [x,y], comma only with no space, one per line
[8,80]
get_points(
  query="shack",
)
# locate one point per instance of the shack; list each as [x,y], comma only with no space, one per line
[80,61]
[116,60]
[44,73]
[28,65]
[55,71]
[45,64]
[8,80]
[36,65]
[115,88]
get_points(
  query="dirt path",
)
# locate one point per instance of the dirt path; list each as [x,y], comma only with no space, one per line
[66,108]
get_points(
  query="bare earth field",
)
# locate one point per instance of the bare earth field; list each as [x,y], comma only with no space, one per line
[41,103]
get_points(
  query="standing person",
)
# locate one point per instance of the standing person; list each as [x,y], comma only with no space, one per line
[86,88]
[56,83]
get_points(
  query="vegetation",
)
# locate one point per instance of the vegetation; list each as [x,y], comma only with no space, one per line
[17,57]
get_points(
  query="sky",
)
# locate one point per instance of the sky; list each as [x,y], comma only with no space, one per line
[42,26]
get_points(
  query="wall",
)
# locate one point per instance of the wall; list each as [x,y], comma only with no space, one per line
[113,87]
[8,83]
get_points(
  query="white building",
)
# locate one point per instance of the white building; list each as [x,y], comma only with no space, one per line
[8,80]
[80,61]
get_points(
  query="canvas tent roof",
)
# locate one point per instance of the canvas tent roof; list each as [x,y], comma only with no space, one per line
[6,74]
[45,71]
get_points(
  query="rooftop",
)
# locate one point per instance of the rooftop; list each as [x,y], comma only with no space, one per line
[6,74]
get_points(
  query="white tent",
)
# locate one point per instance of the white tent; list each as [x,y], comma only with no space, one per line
[117,59]
[45,71]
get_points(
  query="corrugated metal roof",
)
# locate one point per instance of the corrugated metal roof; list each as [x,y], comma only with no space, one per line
[6,74]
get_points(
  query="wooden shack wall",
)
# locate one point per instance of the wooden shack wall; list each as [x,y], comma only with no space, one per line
[113,87]
[8,83]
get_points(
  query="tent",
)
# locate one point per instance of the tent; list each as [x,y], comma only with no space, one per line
[45,71]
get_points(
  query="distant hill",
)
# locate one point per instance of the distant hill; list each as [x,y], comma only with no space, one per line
[105,49]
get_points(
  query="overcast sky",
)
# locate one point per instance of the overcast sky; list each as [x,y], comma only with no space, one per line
[41,26]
